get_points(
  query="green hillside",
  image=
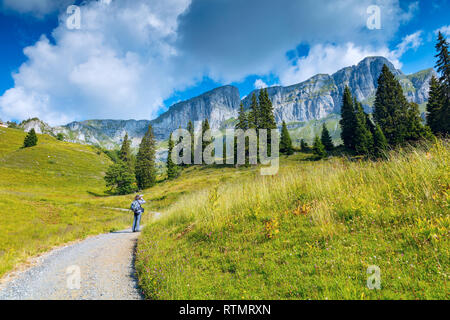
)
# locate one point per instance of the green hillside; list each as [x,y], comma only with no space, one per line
[310,232]
[48,196]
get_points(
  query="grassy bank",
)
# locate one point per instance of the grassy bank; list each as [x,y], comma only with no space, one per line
[308,233]
[50,194]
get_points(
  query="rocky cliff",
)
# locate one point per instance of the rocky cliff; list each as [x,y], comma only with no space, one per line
[321,95]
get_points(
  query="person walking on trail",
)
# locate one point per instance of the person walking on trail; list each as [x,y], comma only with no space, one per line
[136,207]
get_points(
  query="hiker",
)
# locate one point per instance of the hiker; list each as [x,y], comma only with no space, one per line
[136,207]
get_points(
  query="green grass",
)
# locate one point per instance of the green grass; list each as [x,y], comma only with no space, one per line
[308,233]
[50,194]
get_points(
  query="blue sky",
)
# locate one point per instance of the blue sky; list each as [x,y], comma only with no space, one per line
[134,58]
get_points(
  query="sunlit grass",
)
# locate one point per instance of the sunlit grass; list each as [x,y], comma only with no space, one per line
[308,233]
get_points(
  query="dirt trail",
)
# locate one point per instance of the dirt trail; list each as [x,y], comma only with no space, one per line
[104,263]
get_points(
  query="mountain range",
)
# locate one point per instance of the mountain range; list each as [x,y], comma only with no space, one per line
[312,100]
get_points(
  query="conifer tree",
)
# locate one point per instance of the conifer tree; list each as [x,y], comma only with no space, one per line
[190,129]
[243,122]
[319,148]
[253,118]
[443,67]
[348,121]
[304,146]
[172,168]
[145,161]
[435,106]
[125,150]
[205,135]
[380,144]
[285,141]
[363,138]
[391,108]
[326,139]
[267,118]
[31,139]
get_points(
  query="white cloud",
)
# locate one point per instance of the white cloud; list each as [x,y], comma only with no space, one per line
[445,30]
[412,41]
[131,55]
[260,84]
[330,58]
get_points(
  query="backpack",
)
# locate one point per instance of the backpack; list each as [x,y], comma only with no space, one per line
[135,206]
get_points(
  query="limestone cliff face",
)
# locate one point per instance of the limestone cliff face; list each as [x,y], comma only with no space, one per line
[217,106]
[321,95]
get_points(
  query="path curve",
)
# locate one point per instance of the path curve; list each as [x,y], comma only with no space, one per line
[106,269]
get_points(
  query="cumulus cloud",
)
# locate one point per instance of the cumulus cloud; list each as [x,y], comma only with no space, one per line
[445,30]
[329,58]
[130,55]
[260,84]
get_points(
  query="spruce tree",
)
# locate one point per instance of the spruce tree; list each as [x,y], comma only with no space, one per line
[145,161]
[125,150]
[443,67]
[380,144]
[319,148]
[304,146]
[31,139]
[206,135]
[253,118]
[243,122]
[348,120]
[415,129]
[391,108]
[326,139]
[435,106]
[285,141]
[172,168]
[267,118]
[190,129]
[363,138]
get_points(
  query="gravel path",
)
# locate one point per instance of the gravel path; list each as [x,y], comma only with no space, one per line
[106,272]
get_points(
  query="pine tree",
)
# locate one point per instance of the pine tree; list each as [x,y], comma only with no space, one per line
[363,138]
[443,63]
[145,161]
[348,121]
[267,118]
[125,150]
[319,148]
[326,139]
[380,144]
[253,118]
[391,108]
[443,67]
[206,135]
[172,168]
[190,129]
[243,122]
[304,146]
[285,141]
[434,106]
[31,139]
[415,129]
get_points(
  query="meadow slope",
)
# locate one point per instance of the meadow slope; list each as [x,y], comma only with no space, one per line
[310,232]
[50,194]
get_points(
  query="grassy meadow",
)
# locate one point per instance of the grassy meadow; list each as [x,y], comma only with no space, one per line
[54,193]
[310,232]
[50,194]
